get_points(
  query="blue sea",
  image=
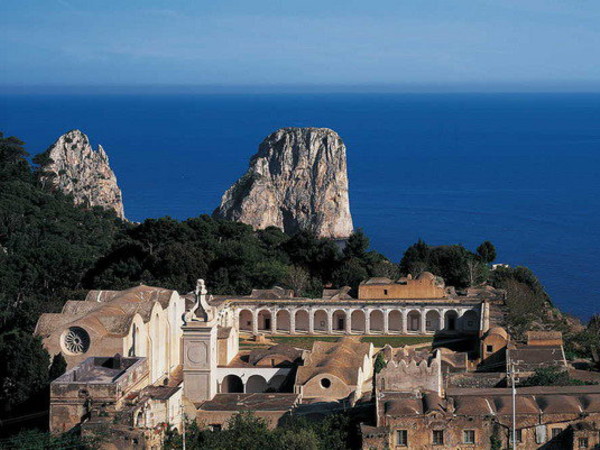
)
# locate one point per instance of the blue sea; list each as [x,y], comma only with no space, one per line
[520,170]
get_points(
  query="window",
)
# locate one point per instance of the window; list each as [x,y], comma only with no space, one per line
[385,292]
[468,436]
[402,438]
[215,427]
[519,436]
[490,349]
[438,437]
[556,432]
[583,443]
[325,382]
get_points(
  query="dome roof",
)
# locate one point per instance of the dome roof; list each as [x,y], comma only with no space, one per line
[426,276]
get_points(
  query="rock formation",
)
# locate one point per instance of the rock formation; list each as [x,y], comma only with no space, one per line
[71,165]
[297,180]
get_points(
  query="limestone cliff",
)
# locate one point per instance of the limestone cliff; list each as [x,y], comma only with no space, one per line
[297,180]
[71,165]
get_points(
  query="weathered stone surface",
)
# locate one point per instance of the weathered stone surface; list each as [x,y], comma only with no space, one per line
[71,165]
[298,180]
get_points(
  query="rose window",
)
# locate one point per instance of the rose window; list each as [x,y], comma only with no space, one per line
[76,340]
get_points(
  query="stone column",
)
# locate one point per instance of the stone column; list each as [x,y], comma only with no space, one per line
[404,321]
[329,321]
[348,322]
[311,321]
[386,321]
[368,322]
[292,322]
[200,360]
[423,321]
[442,319]
[273,321]
[254,322]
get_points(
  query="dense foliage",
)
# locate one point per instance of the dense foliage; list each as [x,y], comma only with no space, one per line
[232,258]
[458,266]
[246,431]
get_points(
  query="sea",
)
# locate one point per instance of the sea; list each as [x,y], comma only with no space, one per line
[520,170]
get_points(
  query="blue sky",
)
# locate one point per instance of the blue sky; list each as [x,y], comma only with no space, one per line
[478,44]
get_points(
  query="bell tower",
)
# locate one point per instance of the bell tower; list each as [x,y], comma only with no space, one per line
[199,350]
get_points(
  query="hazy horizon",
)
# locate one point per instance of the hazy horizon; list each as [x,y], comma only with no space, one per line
[430,45]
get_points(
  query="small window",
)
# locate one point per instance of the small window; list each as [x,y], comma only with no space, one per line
[438,437]
[556,432]
[326,383]
[490,348]
[385,292]
[468,436]
[583,443]
[215,427]
[402,438]
[519,436]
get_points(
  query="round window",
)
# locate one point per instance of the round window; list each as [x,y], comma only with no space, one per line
[76,341]
[325,382]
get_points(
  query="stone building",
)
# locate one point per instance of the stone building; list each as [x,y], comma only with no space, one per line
[336,370]
[139,322]
[547,417]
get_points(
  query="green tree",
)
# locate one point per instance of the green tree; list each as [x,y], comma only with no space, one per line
[487,252]
[23,367]
[58,367]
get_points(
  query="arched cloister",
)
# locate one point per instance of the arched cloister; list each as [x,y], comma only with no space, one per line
[470,321]
[376,321]
[301,320]
[232,384]
[283,320]
[245,320]
[339,320]
[432,321]
[256,384]
[395,321]
[414,321]
[451,320]
[320,321]
[264,320]
[357,321]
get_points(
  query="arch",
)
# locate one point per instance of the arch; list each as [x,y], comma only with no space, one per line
[256,384]
[320,321]
[339,320]
[413,320]
[395,321]
[376,321]
[470,321]
[432,321]
[451,320]
[264,320]
[301,322]
[232,384]
[245,320]
[283,320]
[276,383]
[357,321]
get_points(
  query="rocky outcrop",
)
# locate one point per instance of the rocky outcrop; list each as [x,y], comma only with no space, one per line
[298,180]
[72,166]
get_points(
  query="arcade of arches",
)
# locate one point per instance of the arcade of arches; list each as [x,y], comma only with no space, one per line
[336,320]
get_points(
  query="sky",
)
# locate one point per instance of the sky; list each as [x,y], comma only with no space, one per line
[420,44]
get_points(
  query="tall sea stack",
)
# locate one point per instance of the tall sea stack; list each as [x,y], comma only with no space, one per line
[298,180]
[72,166]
